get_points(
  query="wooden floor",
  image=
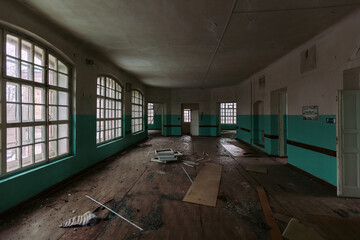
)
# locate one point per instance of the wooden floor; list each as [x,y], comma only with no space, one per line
[150,194]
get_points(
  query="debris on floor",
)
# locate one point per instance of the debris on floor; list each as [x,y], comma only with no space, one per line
[165,155]
[187,174]
[298,231]
[274,231]
[205,187]
[258,169]
[115,213]
[81,220]
[190,163]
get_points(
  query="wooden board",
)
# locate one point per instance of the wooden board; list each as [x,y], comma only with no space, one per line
[274,231]
[205,187]
[298,231]
[337,227]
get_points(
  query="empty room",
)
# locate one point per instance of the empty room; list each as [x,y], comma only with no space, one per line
[180,119]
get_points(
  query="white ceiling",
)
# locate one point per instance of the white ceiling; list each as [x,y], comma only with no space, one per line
[198,43]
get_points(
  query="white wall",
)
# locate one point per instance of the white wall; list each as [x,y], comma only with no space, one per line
[336,51]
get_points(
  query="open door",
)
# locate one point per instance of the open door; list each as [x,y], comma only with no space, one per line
[349,143]
[194,125]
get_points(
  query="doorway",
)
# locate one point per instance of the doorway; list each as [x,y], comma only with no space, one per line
[190,119]
[258,133]
[348,134]
[155,118]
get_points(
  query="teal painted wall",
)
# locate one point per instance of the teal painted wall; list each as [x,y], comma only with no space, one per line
[208,125]
[316,133]
[23,185]
[157,123]
[228,126]
[243,121]
[172,125]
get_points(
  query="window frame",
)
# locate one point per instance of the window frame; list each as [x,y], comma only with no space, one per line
[187,115]
[151,113]
[142,105]
[228,114]
[122,90]
[46,87]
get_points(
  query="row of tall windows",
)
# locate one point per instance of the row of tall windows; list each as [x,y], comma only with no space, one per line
[35,124]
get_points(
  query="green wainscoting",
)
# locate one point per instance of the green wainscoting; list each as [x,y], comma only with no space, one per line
[315,133]
[303,134]
[208,125]
[26,184]
[157,123]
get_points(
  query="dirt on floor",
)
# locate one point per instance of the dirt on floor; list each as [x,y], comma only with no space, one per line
[150,195]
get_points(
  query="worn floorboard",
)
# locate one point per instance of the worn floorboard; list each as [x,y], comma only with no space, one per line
[150,195]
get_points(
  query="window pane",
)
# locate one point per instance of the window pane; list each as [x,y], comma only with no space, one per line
[53,149]
[62,67]
[63,146]
[12,159]
[26,51]
[27,113]
[39,152]
[52,113]
[63,98]
[63,113]
[39,95]
[52,62]
[63,130]
[39,113]
[39,74]
[27,155]
[12,137]
[12,92]
[39,56]
[26,94]
[52,132]
[12,46]
[52,78]
[39,133]
[12,113]
[63,80]
[12,67]
[53,97]
[27,135]
[26,71]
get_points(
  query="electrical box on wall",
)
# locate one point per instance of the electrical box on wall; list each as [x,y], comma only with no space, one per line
[308,59]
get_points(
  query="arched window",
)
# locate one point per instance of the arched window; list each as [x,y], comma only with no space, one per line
[36,106]
[137,111]
[108,110]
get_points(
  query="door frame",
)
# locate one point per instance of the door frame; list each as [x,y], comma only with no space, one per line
[191,106]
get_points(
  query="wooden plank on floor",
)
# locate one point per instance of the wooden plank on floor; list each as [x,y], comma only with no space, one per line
[337,227]
[205,187]
[274,231]
[298,231]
